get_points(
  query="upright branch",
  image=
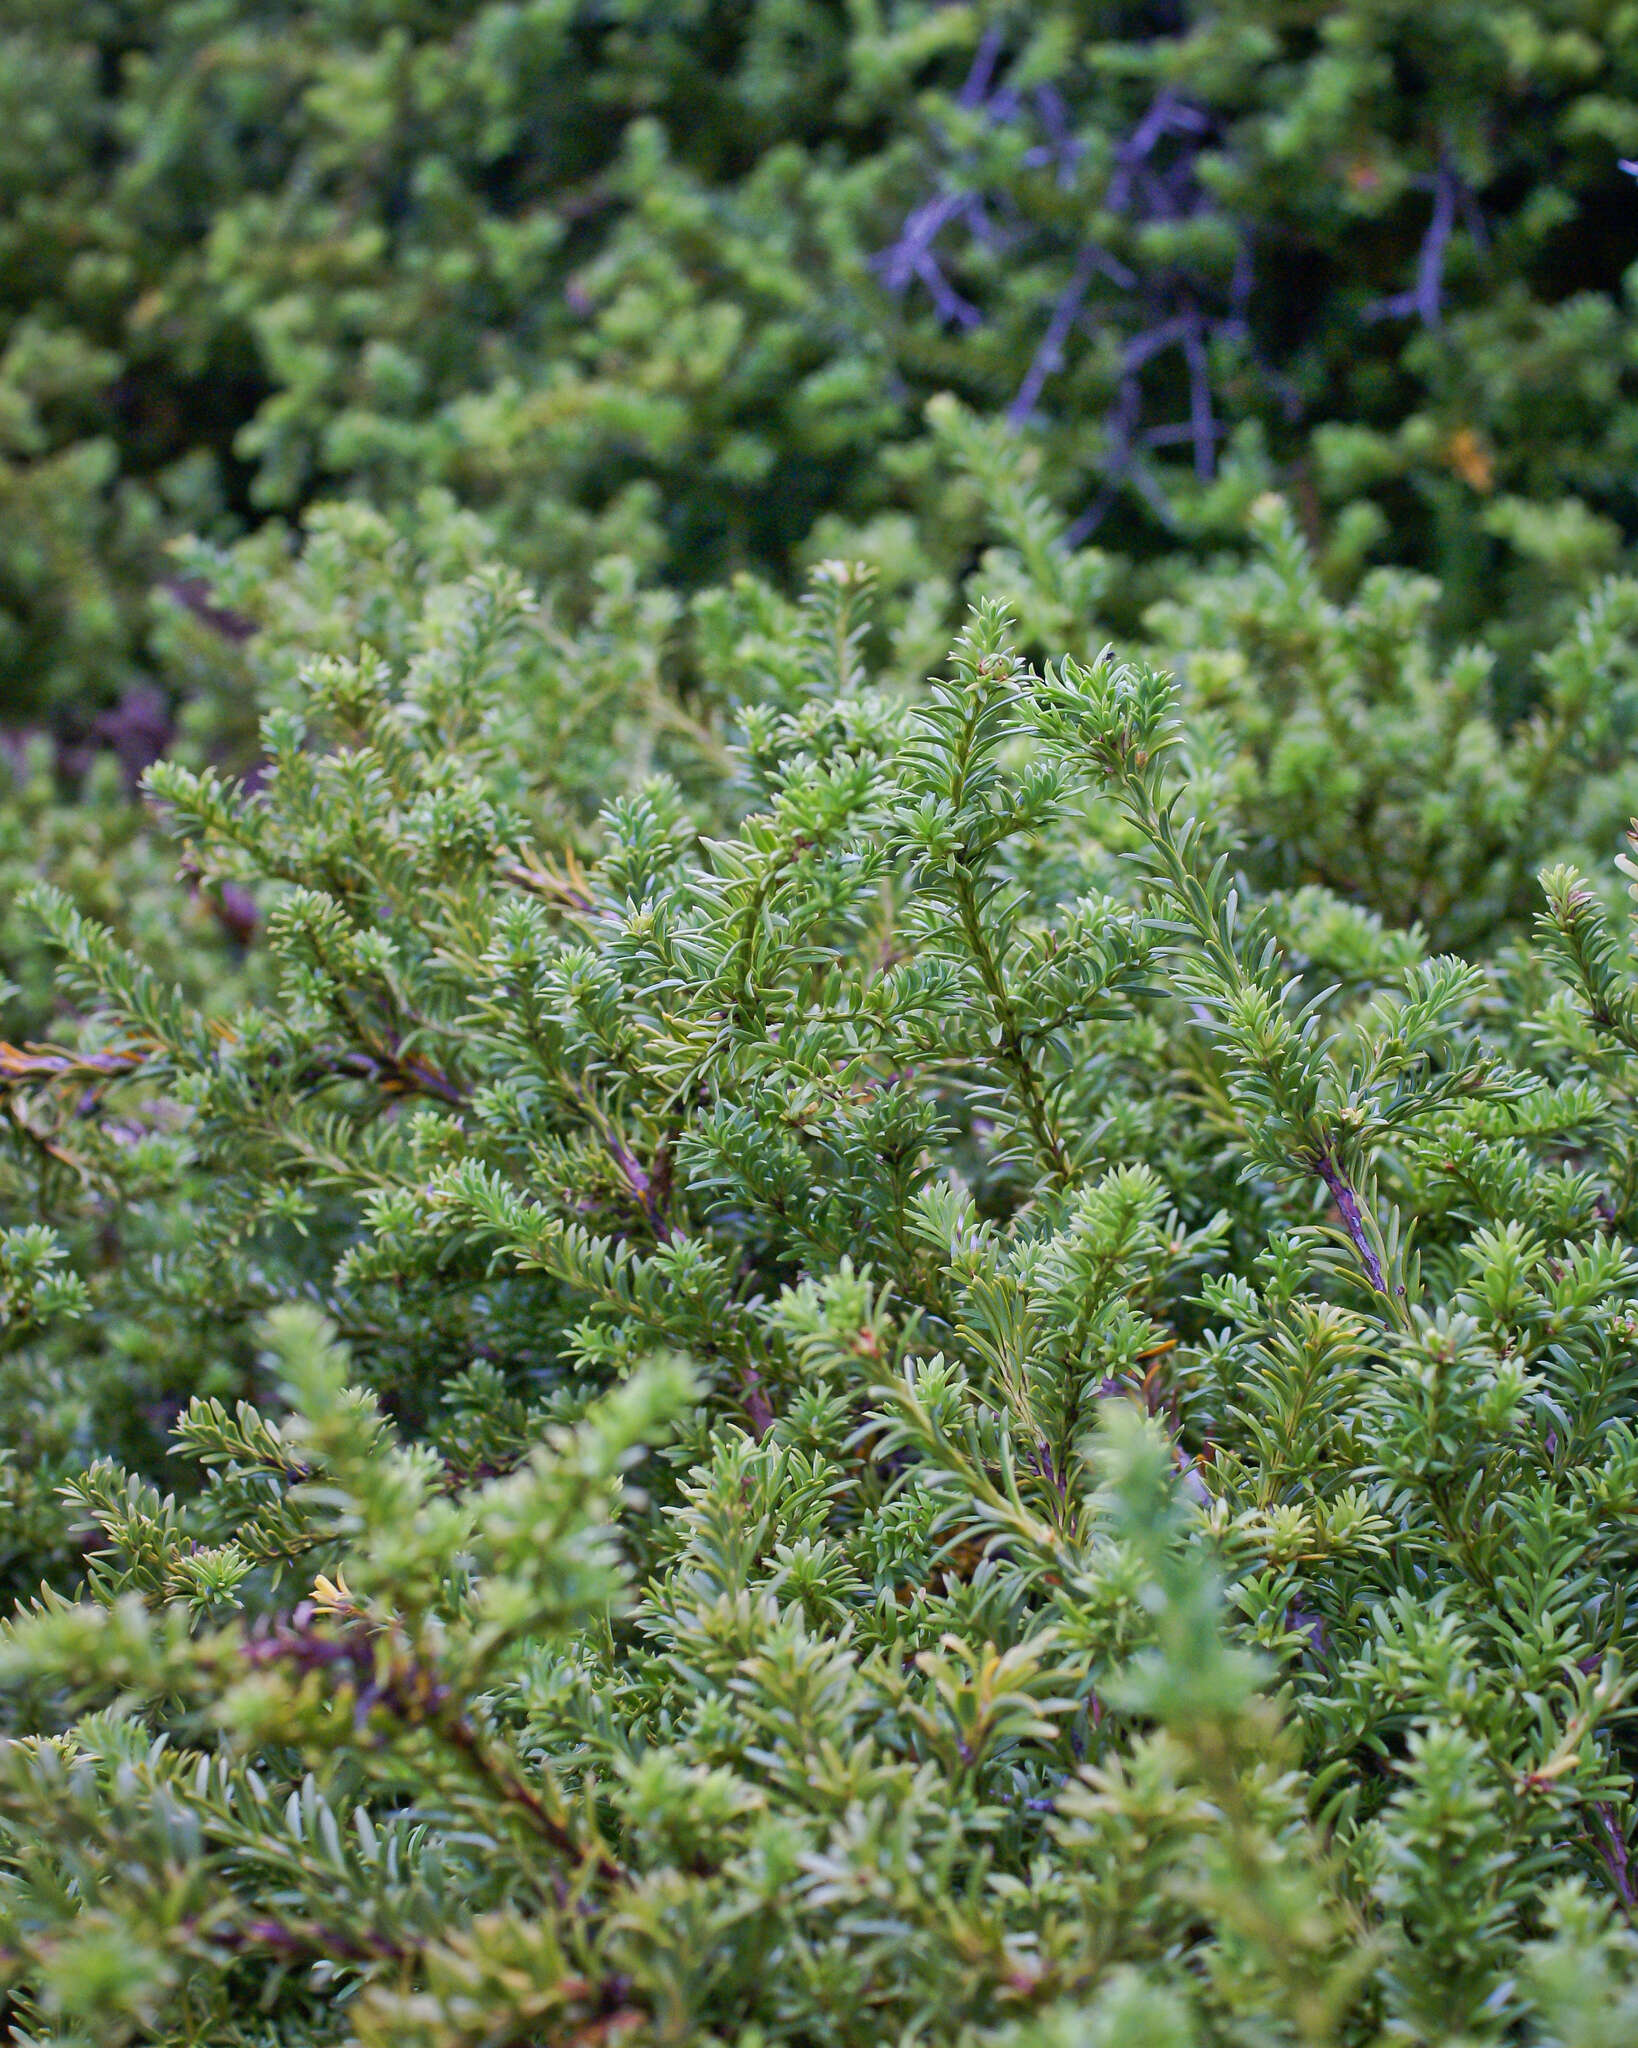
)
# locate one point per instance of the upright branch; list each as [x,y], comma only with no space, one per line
[970,803]
[1303,1112]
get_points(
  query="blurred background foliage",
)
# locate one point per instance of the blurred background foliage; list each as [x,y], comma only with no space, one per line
[678,282]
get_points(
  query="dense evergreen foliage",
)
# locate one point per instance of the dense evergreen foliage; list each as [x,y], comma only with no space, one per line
[1138,1371]
[679,280]
[701,1341]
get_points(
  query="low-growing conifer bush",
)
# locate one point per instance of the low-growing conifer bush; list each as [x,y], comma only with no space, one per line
[846,1361]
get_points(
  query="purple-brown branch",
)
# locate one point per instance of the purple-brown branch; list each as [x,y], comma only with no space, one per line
[1611,1845]
[413,1693]
[1424,299]
[1353,1220]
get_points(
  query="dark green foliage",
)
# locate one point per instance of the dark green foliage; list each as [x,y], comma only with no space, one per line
[1135,1366]
[681,281]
